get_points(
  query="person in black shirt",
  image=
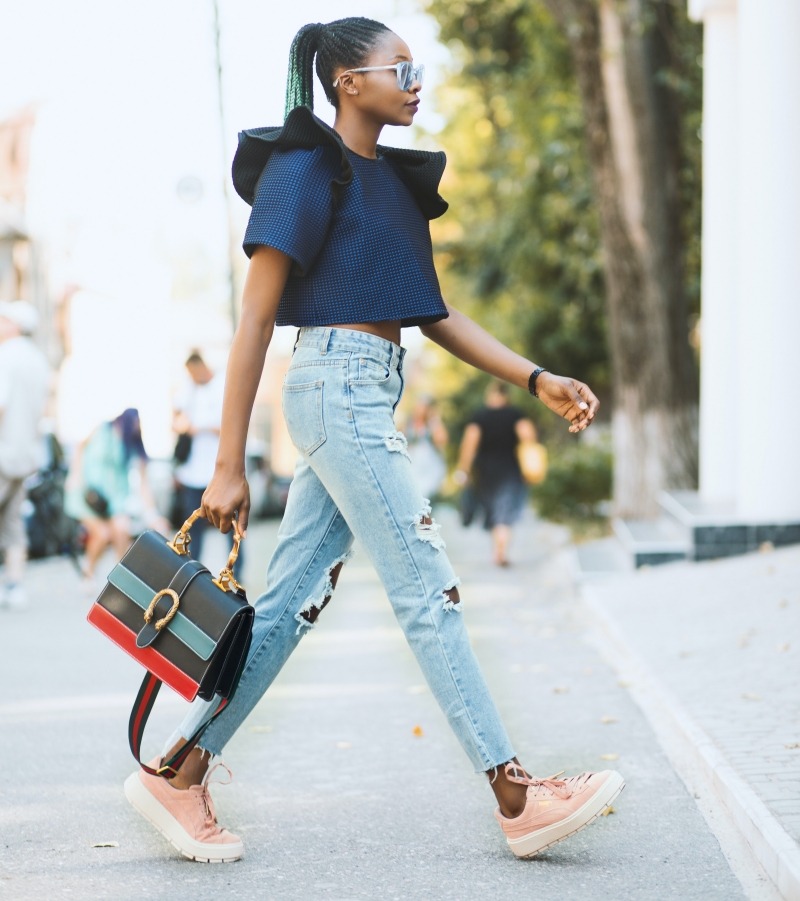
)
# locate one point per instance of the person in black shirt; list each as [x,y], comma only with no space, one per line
[489,453]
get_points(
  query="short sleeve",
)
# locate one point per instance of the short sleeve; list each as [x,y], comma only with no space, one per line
[293,205]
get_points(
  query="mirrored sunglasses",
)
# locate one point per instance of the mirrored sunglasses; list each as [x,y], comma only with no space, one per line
[407,73]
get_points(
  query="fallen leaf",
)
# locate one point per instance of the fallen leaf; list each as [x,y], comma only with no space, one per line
[783,647]
[764,548]
[608,719]
[622,683]
[261,728]
[343,745]
[795,745]
[749,696]
[105,844]
[609,756]
[417,730]
[607,811]
[743,642]
[561,689]
[783,603]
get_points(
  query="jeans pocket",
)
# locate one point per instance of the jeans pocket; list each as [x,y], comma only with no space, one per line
[302,409]
[372,372]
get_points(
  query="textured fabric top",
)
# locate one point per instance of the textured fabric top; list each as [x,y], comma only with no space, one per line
[355,228]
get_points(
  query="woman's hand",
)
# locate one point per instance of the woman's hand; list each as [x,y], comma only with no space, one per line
[227,493]
[569,398]
[465,339]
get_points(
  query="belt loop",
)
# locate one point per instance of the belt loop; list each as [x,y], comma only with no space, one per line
[326,337]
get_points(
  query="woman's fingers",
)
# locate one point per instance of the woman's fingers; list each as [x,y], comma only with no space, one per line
[588,395]
[223,515]
[208,513]
[244,514]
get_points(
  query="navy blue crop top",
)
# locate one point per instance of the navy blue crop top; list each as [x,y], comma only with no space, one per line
[355,229]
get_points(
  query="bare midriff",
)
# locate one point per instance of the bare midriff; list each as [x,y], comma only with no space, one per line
[389,331]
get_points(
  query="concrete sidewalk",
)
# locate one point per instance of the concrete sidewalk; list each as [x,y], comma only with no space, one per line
[337,794]
[715,649]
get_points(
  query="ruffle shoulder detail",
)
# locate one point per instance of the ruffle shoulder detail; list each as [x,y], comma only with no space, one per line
[420,170]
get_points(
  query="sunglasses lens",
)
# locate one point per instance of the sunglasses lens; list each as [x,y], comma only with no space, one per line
[404,76]
[420,73]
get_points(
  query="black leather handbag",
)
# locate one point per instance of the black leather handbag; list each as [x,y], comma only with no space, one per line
[185,627]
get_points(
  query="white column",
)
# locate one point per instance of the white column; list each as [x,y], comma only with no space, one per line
[768,484]
[718,375]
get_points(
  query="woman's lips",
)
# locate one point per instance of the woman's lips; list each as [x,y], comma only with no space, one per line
[413,105]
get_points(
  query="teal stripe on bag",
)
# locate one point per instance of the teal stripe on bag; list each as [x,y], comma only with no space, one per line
[181,627]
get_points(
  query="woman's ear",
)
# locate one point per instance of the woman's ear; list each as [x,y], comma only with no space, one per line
[347,84]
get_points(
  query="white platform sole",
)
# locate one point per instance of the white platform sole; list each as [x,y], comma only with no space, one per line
[171,829]
[541,839]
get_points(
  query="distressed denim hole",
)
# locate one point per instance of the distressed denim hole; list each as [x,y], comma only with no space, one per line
[314,605]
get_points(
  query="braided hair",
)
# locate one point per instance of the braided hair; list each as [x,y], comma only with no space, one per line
[345,42]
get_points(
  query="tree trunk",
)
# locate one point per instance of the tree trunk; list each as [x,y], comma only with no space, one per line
[632,128]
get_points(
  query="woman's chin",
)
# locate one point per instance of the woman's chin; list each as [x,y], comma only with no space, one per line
[406,117]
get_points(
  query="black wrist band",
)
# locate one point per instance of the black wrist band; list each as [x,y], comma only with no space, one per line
[532,380]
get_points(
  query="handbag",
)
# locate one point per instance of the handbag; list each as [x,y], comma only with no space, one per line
[532,458]
[183,448]
[188,629]
[467,505]
[97,502]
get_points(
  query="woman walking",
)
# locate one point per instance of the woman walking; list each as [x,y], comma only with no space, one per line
[340,247]
[99,491]
[489,453]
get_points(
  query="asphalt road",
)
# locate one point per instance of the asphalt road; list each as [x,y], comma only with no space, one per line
[334,795]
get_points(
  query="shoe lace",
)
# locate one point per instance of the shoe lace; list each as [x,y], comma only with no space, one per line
[575,782]
[204,796]
[559,787]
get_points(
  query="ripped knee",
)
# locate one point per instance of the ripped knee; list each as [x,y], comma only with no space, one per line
[311,609]
[451,599]
[310,615]
[427,529]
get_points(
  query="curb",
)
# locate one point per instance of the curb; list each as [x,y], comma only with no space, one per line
[772,846]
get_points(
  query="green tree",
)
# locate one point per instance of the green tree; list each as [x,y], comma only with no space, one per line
[523,249]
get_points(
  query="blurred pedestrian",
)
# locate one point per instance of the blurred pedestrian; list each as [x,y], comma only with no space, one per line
[24,383]
[102,494]
[427,440]
[197,418]
[489,455]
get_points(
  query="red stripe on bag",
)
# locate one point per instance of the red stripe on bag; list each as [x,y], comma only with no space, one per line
[157,664]
[143,709]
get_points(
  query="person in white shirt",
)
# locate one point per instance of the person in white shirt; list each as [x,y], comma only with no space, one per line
[197,414]
[24,386]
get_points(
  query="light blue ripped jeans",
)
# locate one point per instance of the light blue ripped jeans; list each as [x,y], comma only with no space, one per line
[354,478]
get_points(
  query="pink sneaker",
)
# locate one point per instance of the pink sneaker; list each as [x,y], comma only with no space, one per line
[186,818]
[556,808]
